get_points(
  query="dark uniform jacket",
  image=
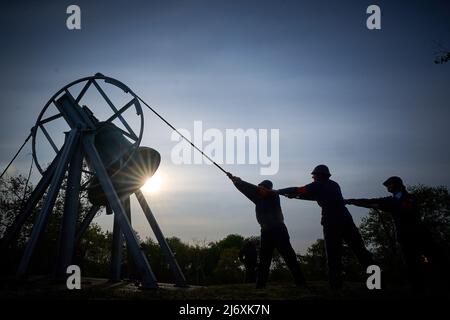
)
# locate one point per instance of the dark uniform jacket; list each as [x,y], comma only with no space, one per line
[267,204]
[328,195]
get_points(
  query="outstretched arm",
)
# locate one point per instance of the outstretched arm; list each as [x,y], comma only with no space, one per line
[297,193]
[248,189]
[376,203]
[365,203]
[251,191]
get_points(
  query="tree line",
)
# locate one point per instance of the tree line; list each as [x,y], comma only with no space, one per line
[214,262]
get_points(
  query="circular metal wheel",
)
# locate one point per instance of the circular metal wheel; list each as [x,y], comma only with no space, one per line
[51,114]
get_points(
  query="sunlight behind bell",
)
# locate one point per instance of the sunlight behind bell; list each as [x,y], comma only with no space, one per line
[153,184]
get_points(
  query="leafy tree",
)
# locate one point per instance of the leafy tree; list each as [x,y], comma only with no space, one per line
[442,58]
[229,268]
[314,262]
[230,241]
[182,253]
[442,54]
[435,208]
[93,248]
[13,194]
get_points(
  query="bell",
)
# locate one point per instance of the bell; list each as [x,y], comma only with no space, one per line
[114,149]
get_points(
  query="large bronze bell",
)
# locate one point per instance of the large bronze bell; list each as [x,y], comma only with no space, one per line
[115,150]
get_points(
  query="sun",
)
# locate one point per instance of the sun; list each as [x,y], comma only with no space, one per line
[153,184]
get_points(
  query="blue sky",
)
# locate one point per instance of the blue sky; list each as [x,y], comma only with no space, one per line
[369,104]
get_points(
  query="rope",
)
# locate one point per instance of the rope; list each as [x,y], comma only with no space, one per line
[158,115]
[181,135]
[15,156]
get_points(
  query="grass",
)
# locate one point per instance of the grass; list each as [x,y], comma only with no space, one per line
[101,289]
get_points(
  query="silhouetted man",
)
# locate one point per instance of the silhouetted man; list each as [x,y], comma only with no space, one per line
[248,255]
[338,225]
[414,239]
[274,234]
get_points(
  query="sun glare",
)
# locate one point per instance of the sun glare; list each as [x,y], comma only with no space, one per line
[153,184]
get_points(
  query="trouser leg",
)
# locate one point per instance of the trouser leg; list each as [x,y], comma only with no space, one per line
[333,249]
[265,259]
[437,260]
[284,247]
[250,273]
[412,257]
[354,240]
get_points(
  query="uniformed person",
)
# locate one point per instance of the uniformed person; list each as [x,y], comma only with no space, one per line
[338,225]
[274,234]
[413,237]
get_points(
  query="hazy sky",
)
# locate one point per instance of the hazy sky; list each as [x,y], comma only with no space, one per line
[368,103]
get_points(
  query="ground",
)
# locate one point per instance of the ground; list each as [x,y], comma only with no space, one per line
[43,288]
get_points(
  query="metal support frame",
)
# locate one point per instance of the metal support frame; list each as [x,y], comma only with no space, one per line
[86,222]
[55,184]
[180,280]
[79,143]
[117,247]
[131,267]
[116,251]
[67,235]
[148,278]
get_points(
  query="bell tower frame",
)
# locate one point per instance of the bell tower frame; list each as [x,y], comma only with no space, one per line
[79,144]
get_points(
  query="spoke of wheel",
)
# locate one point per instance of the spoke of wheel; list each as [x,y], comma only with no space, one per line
[122,110]
[71,97]
[134,138]
[56,116]
[49,138]
[83,91]
[131,132]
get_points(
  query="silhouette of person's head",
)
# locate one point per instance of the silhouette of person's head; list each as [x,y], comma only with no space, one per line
[321,172]
[394,184]
[266,184]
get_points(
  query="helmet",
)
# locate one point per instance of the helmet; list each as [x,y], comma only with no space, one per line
[321,169]
[266,184]
[393,180]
